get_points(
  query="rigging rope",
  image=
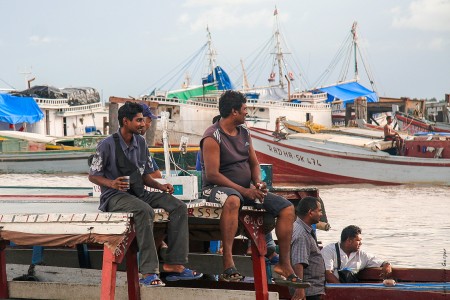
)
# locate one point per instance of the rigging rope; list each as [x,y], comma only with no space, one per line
[190,58]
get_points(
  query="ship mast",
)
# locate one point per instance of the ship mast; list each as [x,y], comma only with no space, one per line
[278,50]
[355,47]
[365,65]
[245,84]
[211,53]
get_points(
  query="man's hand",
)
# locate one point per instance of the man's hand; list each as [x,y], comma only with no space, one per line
[166,188]
[299,294]
[386,270]
[254,194]
[120,184]
[262,186]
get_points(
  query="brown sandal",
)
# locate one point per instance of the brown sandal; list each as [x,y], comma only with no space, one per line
[231,275]
[292,281]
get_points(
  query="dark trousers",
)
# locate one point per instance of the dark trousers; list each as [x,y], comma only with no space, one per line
[143,215]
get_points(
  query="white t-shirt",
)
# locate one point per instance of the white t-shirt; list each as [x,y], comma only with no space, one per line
[355,262]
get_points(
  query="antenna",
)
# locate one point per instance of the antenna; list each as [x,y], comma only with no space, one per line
[27,77]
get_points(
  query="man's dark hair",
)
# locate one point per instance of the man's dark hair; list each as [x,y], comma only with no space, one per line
[215,119]
[388,117]
[230,100]
[129,110]
[305,205]
[350,232]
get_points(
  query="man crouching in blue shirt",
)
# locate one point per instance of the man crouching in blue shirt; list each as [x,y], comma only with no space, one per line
[125,155]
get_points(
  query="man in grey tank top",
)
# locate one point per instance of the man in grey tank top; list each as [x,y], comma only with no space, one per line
[232,177]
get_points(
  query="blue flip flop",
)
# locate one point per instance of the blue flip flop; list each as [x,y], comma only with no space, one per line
[187,274]
[152,281]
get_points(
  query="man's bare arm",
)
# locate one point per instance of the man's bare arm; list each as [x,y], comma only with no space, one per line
[299,293]
[211,159]
[151,182]
[330,277]
[117,183]
[254,166]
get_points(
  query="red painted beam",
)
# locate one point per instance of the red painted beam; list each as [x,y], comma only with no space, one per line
[4,294]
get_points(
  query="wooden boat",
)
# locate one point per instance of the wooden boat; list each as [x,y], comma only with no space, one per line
[411,284]
[49,162]
[346,156]
[414,125]
[50,158]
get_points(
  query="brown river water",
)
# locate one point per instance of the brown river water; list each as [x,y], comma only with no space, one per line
[406,225]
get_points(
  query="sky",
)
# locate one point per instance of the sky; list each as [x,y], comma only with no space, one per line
[126,48]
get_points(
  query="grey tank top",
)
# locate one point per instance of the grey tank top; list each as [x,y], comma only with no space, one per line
[234,155]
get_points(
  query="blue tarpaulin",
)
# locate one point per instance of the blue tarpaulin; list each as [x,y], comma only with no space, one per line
[223,80]
[14,110]
[348,92]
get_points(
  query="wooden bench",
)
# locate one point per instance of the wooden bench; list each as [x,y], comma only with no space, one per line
[116,232]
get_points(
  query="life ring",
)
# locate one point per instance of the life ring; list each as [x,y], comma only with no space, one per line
[291,76]
[272,75]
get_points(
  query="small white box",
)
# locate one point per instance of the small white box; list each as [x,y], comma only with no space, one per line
[185,187]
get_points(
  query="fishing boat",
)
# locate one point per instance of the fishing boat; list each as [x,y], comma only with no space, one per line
[63,112]
[414,125]
[190,116]
[42,115]
[411,284]
[352,155]
[347,89]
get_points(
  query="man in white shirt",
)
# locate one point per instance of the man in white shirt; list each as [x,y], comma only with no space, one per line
[352,258]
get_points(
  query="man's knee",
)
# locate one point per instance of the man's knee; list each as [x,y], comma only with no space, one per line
[182,207]
[233,203]
[145,210]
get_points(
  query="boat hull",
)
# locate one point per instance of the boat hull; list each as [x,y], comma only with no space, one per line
[304,161]
[46,162]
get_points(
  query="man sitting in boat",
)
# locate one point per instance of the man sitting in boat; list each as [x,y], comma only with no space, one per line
[306,257]
[391,135]
[121,167]
[351,258]
[229,166]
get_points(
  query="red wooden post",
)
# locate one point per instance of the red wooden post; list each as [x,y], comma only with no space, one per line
[3,280]
[134,292]
[109,267]
[109,271]
[254,226]
[259,271]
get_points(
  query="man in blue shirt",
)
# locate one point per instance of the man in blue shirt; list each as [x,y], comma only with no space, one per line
[125,153]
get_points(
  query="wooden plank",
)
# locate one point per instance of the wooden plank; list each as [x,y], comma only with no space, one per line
[67,228]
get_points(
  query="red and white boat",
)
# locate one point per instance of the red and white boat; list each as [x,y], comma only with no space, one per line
[414,125]
[352,155]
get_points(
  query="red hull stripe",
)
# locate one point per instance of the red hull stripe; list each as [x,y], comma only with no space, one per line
[284,172]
